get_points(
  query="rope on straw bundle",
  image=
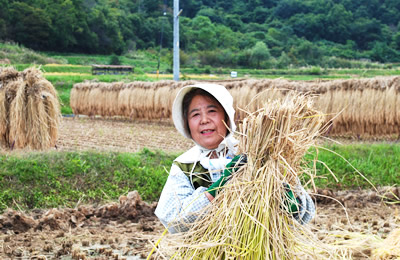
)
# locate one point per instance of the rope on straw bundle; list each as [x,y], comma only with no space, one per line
[248,219]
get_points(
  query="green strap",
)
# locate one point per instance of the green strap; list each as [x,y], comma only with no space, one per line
[290,201]
[229,169]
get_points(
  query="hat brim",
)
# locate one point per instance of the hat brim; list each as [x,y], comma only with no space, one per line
[215,91]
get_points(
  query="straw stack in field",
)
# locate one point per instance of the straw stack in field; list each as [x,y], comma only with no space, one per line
[248,219]
[357,107]
[30,110]
[138,100]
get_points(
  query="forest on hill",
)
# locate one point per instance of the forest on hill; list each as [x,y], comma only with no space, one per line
[243,33]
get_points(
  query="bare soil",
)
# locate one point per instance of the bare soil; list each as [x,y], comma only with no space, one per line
[127,229]
[119,135]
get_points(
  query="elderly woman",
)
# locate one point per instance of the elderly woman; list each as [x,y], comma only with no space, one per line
[204,113]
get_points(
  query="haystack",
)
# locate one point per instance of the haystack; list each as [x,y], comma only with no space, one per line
[355,107]
[30,111]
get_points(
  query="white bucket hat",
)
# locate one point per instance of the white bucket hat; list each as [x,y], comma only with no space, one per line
[220,93]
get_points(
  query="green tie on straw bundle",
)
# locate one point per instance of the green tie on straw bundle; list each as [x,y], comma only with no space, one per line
[248,219]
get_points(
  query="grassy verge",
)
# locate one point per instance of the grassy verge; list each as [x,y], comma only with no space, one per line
[61,179]
[307,73]
[142,61]
[19,54]
[379,163]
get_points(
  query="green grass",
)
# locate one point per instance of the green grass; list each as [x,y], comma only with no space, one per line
[19,54]
[62,68]
[379,163]
[142,61]
[43,180]
[61,179]
[308,73]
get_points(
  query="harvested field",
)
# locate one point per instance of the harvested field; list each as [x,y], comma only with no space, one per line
[61,233]
[94,232]
[119,135]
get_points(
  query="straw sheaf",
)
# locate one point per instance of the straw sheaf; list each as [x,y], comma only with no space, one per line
[74,97]
[8,92]
[8,74]
[3,117]
[112,98]
[18,128]
[30,112]
[123,101]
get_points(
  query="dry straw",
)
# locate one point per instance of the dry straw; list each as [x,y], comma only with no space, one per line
[388,248]
[368,246]
[248,219]
[30,110]
[357,107]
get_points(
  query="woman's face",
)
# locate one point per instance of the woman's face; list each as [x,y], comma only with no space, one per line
[205,119]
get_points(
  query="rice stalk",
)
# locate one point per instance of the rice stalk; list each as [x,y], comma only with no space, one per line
[18,128]
[3,115]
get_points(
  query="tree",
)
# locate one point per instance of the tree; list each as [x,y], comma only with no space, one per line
[3,29]
[259,53]
[364,31]
[234,22]
[283,61]
[383,53]
[202,33]
[63,26]
[396,40]
[4,16]
[308,52]
[214,15]
[30,26]
[114,60]
[337,24]
[226,37]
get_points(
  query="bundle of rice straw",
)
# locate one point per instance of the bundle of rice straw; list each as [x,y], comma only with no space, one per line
[248,218]
[30,110]
[389,248]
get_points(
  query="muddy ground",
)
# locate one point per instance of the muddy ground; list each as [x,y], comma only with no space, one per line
[127,229]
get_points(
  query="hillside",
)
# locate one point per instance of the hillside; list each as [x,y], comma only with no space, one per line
[256,33]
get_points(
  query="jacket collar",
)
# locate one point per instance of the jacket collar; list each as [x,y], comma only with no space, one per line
[196,153]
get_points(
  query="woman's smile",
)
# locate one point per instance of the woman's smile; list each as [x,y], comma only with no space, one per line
[206,122]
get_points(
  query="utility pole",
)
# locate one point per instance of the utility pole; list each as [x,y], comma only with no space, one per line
[176,40]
